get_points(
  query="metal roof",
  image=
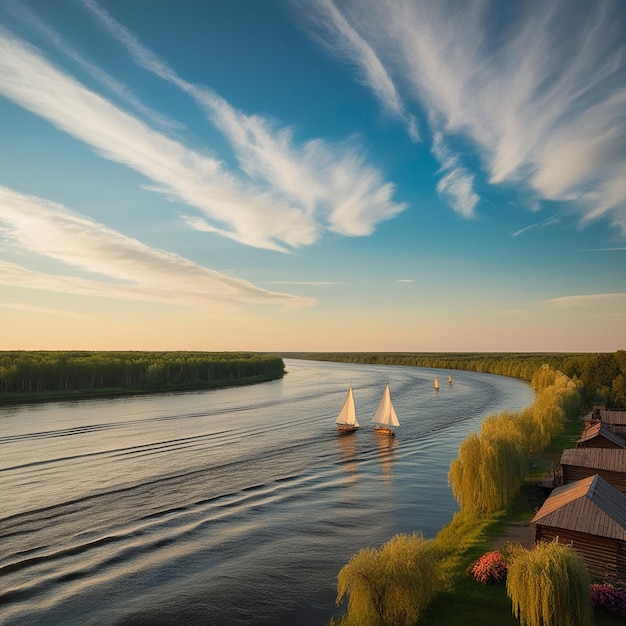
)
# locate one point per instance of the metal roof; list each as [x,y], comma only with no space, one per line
[590,505]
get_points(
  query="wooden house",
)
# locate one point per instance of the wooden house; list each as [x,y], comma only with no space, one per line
[590,514]
[577,463]
[599,435]
[615,419]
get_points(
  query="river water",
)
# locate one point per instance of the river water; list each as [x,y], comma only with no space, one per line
[228,507]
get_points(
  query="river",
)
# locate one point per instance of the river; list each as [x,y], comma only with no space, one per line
[229,507]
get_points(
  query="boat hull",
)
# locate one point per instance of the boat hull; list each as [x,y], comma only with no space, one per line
[346,430]
[381,430]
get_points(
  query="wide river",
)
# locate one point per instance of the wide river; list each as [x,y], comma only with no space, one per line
[229,507]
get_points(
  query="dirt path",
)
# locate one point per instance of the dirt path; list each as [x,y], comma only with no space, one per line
[515,532]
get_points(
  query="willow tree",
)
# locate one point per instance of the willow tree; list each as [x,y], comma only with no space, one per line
[392,585]
[506,424]
[490,468]
[550,586]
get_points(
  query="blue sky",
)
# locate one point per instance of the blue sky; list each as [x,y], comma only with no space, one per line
[384,175]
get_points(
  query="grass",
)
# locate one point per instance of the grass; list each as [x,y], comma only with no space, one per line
[464,601]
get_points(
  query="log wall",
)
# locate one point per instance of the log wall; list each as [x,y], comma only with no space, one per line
[605,558]
[572,473]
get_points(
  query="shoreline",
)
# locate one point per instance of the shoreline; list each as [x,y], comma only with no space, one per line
[35,397]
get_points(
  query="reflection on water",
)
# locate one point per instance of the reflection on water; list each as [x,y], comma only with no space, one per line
[386,447]
[231,507]
[348,451]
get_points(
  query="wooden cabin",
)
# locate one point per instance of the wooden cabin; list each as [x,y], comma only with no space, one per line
[615,419]
[590,514]
[577,463]
[599,435]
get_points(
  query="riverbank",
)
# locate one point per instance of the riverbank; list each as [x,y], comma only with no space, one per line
[33,397]
[469,603]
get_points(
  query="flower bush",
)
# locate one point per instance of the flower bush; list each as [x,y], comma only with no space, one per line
[608,599]
[490,568]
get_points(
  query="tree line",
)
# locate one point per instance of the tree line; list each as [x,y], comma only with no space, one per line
[26,372]
[600,377]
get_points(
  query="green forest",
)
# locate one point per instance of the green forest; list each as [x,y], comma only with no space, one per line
[53,373]
[601,377]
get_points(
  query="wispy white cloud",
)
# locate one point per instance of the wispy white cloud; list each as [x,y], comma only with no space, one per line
[405,280]
[457,187]
[313,283]
[351,47]
[291,207]
[537,87]
[587,300]
[40,310]
[21,11]
[330,184]
[554,219]
[109,264]
[457,184]
[243,213]
[617,249]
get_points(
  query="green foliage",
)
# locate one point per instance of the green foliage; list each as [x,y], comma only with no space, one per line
[599,377]
[45,372]
[392,585]
[550,586]
[491,467]
[544,377]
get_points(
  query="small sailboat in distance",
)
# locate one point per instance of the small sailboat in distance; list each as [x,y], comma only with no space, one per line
[346,420]
[385,416]
[449,379]
[436,383]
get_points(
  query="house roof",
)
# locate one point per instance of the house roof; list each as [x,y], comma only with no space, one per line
[590,505]
[595,458]
[602,430]
[609,416]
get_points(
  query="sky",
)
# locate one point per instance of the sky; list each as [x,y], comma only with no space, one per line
[313,175]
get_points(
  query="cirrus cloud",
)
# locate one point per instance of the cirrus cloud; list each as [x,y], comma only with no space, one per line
[109,264]
[537,88]
[285,196]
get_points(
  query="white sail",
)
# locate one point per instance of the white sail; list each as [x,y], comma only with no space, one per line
[385,413]
[347,415]
[449,378]
[436,383]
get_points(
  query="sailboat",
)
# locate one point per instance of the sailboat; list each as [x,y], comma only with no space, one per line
[346,420]
[385,416]
[436,383]
[449,379]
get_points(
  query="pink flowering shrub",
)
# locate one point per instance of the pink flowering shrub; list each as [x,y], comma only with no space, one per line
[490,568]
[608,599]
